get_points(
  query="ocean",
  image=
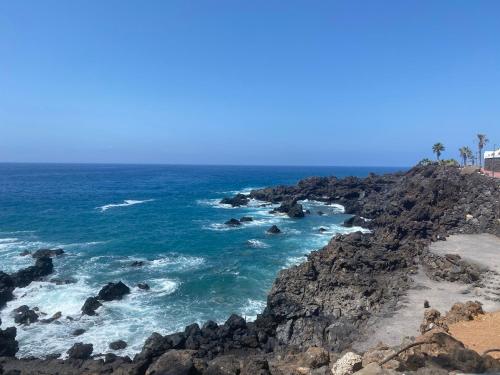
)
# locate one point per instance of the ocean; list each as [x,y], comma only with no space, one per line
[107,216]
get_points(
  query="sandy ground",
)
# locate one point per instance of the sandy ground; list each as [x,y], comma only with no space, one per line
[483,249]
[480,334]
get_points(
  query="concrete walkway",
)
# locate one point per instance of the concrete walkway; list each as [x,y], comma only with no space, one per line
[482,249]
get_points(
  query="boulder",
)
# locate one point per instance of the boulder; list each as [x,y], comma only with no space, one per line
[90,306]
[233,222]
[348,364]
[113,291]
[354,221]
[80,351]
[246,219]
[24,315]
[173,362]
[118,345]
[235,322]
[49,253]
[6,289]
[24,253]
[53,318]
[315,357]
[274,230]
[8,344]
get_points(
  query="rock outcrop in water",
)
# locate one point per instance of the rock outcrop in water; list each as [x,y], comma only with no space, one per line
[320,307]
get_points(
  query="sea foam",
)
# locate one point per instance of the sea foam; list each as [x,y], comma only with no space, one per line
[125,203]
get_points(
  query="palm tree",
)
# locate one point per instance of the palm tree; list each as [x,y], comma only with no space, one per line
[463,154]
[469,153]
[438,148]
[482,140]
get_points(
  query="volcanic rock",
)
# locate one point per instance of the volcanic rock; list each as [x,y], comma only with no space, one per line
[8,344]
[43,267]
[24,315]
[80,351]
[274,230]
[143,286]
[90,306]
[233,222]
[245,219]
[113,291]
[236,201]
[42,253]
[118,345]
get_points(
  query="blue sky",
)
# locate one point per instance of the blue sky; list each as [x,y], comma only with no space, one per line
[246,82]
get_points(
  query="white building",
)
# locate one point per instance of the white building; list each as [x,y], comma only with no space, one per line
[492,160]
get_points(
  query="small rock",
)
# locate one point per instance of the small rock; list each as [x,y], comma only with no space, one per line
[90,306]
[113,291]
[348,364]
[24,253]
[426,304]
[47,253]
[274,230]
[143,286]
[118,345]
[78,332]
[246,219]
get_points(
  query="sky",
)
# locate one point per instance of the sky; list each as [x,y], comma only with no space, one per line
[247,82]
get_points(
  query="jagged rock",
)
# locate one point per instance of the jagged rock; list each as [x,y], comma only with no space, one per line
[143,286]
[24,253]
[53,318]
[43,267]
[236,201]
[348,364]
[291,208]
[464,311]
[118,345]
[245,219]
[49,253]
[235,322]
[80,351]
[173,362]
[90,306]
[233,222]
[113,291]
[6,288]
[354,221]
[24,315]
[315,357]
[274,230]
[322,230]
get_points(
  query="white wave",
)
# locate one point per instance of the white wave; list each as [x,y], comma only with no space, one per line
[257,244]
[221,227]
[252,308]
[244,191]
[8,240]
[178,263]
[163,287]
[125,203]
[294,260]
[214,203]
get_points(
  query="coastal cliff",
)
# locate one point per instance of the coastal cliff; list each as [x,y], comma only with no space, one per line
[328,301]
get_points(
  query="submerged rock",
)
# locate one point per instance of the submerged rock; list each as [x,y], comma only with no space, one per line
[137,263]
[113,291]
[246,219]
[143,286]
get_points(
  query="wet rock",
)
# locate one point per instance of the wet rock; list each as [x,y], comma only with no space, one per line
[235,322]
[236,201]
[8,344]
[233,222]
[59,281]
[274,230]
[43,267]
[113,291]
[53,318]
[78,332]
[291,208]
[143,286]
[173,362]
[90,306]
[348,364]
[6,289]
[24,253]
[80,351]
[49,253]
[118,345]
[24,315]
[322,230]
[246,219]
[354,221]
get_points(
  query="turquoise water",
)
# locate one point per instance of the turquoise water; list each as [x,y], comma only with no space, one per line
[106,216]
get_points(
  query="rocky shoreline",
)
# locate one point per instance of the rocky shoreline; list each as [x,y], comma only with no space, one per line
[320,308]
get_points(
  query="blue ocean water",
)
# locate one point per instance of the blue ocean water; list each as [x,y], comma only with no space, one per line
[107,216]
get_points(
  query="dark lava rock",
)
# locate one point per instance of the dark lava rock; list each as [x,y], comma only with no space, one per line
[236,201]
[118,345]
[291,208]
[322,230]
[354,221]
[274,230]
[245,219]
[59,281]
[47,253]
[24,315]
[113,291]
[143,286]
[174,362]
[8,343]
[80,351]
[90,306]
[321,213]
[233,222]
[235,321]
[426,304]
[53,318]
[137,263]
[6,288]
[24,253]
[43,267]
[78,332]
